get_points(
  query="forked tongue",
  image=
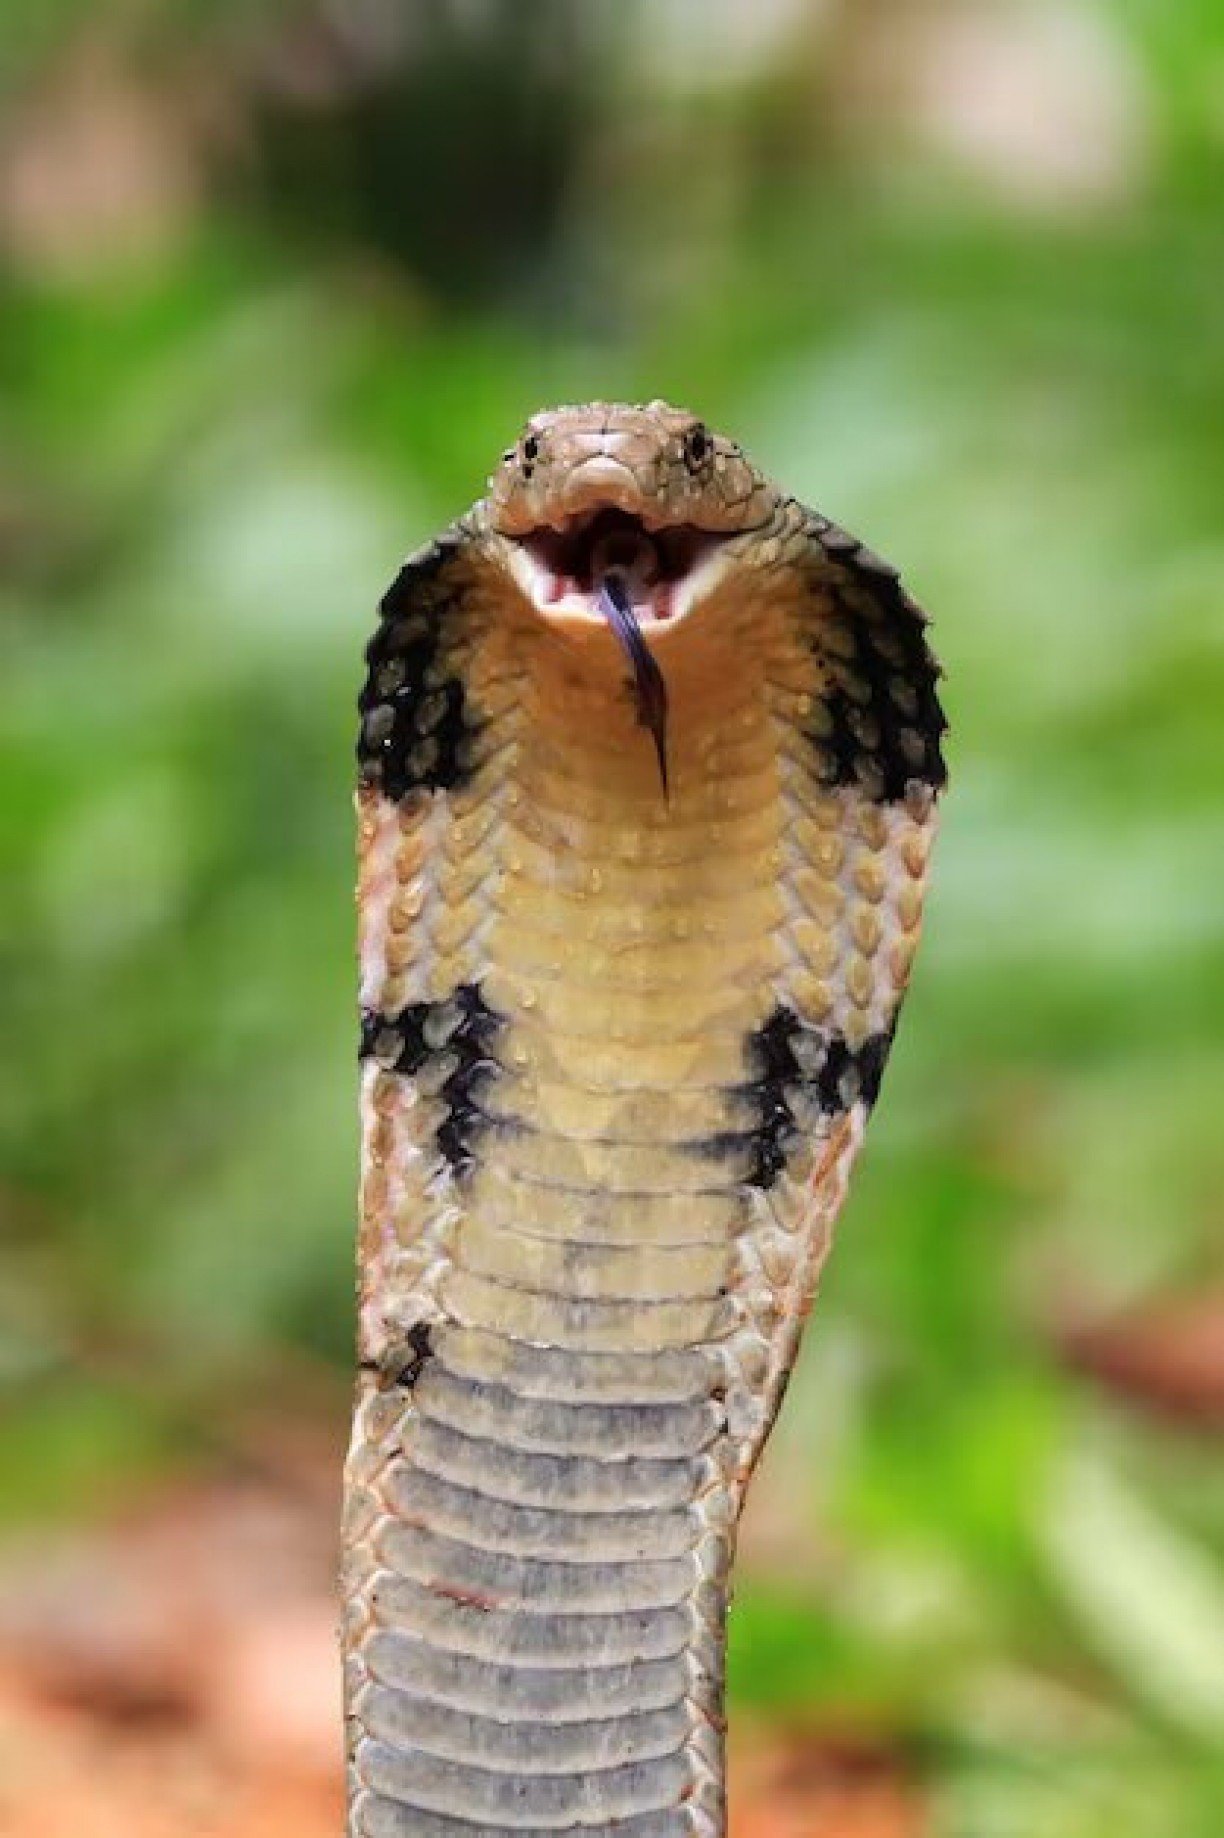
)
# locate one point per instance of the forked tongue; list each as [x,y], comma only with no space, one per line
[615,566]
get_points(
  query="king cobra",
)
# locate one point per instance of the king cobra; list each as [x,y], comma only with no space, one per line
[649,757]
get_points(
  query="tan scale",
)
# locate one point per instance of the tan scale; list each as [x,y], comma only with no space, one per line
[620,1051]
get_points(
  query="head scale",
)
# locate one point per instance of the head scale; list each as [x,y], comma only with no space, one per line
[659,464]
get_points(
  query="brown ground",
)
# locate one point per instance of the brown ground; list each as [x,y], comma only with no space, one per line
[176,1675]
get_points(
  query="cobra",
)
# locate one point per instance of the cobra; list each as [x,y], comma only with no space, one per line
[618,1053]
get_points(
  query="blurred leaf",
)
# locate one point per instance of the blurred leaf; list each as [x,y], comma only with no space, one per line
[1151,1602]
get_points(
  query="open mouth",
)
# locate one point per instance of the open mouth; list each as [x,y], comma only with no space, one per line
[657,568]
[607,566]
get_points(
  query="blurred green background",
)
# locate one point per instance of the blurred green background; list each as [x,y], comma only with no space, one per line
[278,281]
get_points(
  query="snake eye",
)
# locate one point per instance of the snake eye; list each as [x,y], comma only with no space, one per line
[697,446]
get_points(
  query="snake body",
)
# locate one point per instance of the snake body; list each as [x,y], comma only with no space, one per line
[618,1052]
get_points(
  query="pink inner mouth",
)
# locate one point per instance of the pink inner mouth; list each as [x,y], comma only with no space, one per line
[651,563]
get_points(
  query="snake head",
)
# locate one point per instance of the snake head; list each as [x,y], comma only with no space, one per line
[645,491]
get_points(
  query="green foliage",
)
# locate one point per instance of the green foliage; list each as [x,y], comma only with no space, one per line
[210,464]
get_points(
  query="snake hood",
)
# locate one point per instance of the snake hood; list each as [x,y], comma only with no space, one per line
[618,1055]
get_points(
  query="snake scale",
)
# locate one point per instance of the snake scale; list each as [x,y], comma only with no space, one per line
[625,1011]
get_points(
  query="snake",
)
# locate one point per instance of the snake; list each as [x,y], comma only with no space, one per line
[649,761]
